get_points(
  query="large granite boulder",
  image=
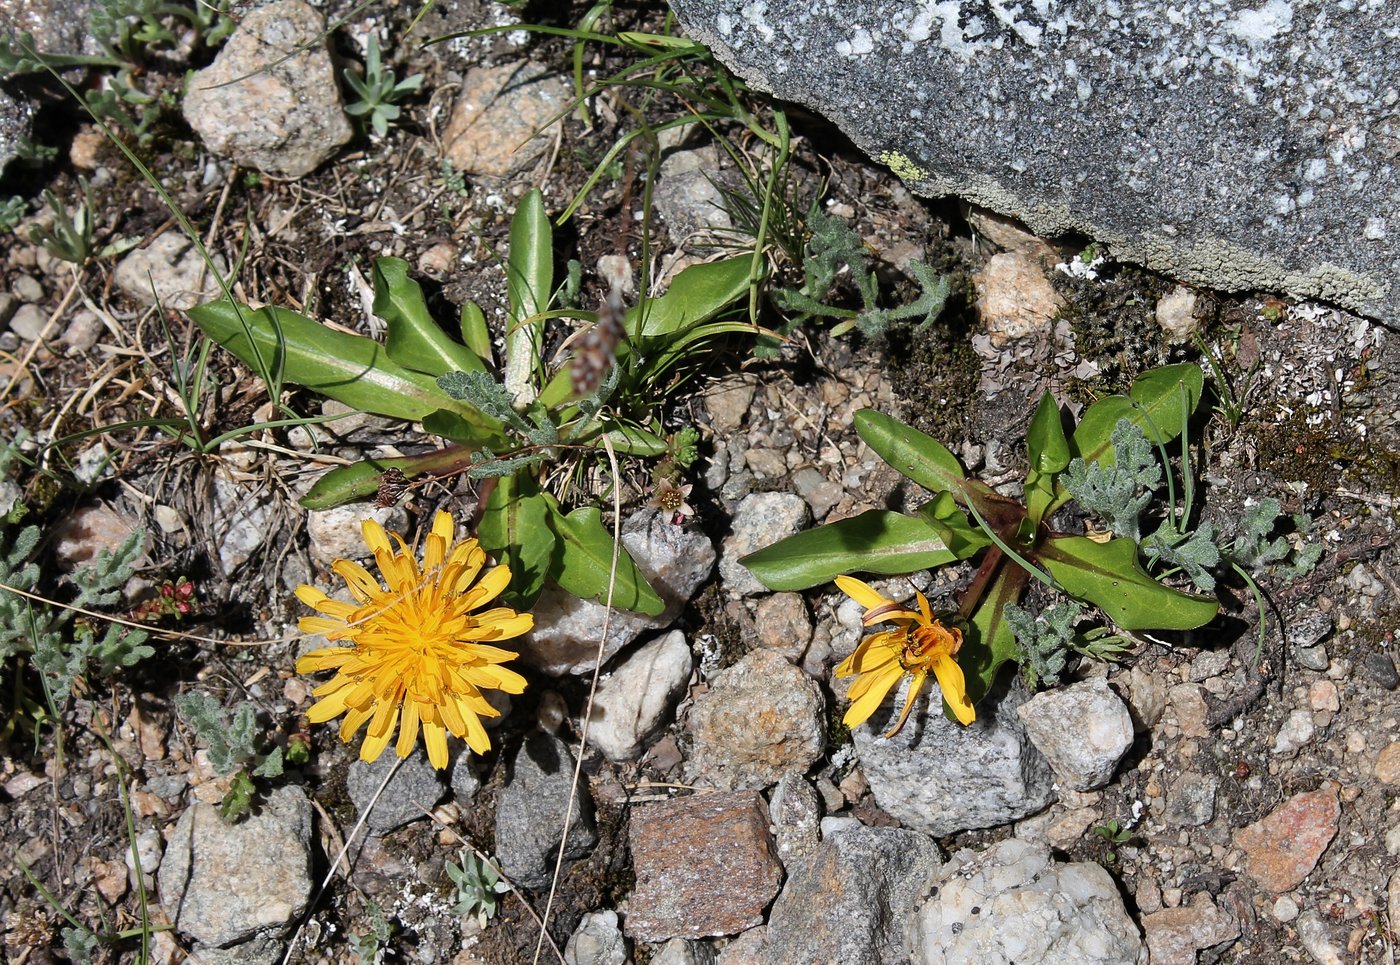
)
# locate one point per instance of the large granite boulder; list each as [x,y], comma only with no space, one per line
[1238,144]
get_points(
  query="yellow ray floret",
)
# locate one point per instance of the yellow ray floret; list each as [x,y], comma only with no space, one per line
[421,650]
[920,645]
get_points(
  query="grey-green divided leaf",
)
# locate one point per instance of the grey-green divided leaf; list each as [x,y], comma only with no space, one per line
[515,529]
[920,457]
[877,541]
[414,340]
[348,368]
[584,561]
[1109,576]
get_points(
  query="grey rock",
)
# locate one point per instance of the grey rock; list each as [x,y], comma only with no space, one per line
[530,812]
[224,883]
[674,559]
[759,718]
[82,333]
[8,304]
[597,941]
[821,493]
[728,401]
[1306,632]
[849,902]
[336,535]
[28,322]
[1015,903]
[243,521]
[635,701]
[58,26]
[796,811]
[760,520]
[1072,119]
[415,789]
[170,271]
[27,288]
[261,950]
[270,100]
[1211,663]
[989,773]
[1082,756]
[686,196]
[1296,731]
[150,848]
[1176,314]
[463,779]
[679,951]
[1381,668]
[1317,939]
[88,531]
[1191,799]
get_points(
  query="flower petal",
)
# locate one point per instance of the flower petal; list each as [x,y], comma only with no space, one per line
[880,683]
[916,683]
[954,687]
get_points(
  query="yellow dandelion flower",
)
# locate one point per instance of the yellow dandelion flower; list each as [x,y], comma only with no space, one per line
[920,644]
[420,651]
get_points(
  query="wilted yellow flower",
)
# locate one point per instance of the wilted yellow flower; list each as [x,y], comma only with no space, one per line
[920,644]
[419,655]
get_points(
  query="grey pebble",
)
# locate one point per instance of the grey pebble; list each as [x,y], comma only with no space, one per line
[1381,668]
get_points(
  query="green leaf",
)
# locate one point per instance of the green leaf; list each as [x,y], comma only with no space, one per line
[991,642]
[962,537]
[474,331]
[698,294]
[584,561]
[636,441]
[414,340]
[1154,406]
[348,368]
[515,529]
[529,275]
[876,541]
[361,480]
[1109,576]
[922,458]
[1047,451]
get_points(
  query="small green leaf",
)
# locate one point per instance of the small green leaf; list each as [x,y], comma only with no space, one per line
[1047,451]
[515,529]
[922,458]
[475,334]
[876,541]
[1154,406]
[584,562]
[414,340]
[961,537]
[1109,576]
[698,294]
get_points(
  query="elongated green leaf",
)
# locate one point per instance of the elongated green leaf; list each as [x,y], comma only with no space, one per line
[360,481]
[529,276]
[475,334]
[877,541]
[636,441]
[348,368]
[584,560]
[515,529]
[991,642]
[696,295]
[1109,576]
[414,340]
[922,458]
[1047,451]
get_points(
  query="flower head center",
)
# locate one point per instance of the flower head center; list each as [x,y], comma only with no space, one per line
[926,643]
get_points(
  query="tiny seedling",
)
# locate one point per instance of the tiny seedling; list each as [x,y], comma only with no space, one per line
[479,887]
[232,748]
[379,91]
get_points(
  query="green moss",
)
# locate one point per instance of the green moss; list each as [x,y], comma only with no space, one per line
[937,370]
[1323,455]
[1114,322]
